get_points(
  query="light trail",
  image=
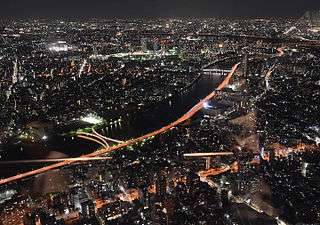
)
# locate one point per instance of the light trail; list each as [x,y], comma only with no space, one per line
[280,53]
[183,118]
[92,139]
[98,139]
[106,138]
[207,154]
[54,160]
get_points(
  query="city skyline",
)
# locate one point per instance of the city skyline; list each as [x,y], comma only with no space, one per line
[159,121]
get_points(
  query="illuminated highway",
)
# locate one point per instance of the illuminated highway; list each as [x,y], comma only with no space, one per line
[207,154]
[97,138]
[93,137]
[54,160]
[214,171]
[106,138]
[186,116]
[183,118]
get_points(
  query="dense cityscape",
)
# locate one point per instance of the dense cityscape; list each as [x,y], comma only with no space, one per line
[160,121]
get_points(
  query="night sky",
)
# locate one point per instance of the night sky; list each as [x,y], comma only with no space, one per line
[155,8]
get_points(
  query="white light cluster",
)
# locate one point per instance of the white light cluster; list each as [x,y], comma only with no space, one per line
[59,46]
[92,119]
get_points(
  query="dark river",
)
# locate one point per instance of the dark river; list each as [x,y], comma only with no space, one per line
[59,146]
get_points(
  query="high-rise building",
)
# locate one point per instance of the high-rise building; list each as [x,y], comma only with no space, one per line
[156,45]
[29,219]
[161,184]
[192,181]
[15,72]
[144,44]
[88,209]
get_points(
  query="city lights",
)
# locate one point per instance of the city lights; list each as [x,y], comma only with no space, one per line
[92,119]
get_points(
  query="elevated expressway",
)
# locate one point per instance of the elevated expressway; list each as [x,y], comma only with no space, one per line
[106,149]
[183,118]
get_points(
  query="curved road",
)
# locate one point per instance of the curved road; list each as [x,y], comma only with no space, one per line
[183,118]
[186,116]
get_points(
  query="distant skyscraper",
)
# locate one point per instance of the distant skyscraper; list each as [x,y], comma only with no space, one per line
[144,44]
[245,66]
[95,51]
[2,27]
[156,45]
[15,72]
[161,184]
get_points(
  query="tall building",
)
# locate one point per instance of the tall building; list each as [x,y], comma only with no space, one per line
[15,72]
[144,44]
[88,208]
[156,45]
[161,184]
[245,66]
[2,29]
[192,181]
